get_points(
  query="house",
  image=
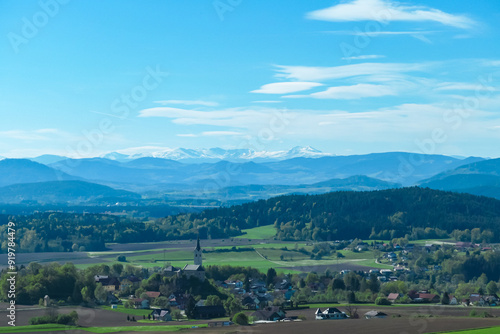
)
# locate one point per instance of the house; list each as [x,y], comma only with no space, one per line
[141,303]
[375,314]
[270,313]
[179,299]
[492,300]
[209,312]
[453,300]
[464,245]
[161,314]
[486,300]
[393,297]
[171,271]
[109,283]
[250,302]
[152,294]
[330,313]
[421,297]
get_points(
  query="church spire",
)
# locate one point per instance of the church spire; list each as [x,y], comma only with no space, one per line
[198,248]
[198,254]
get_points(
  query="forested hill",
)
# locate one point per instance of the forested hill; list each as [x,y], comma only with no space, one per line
[345,215]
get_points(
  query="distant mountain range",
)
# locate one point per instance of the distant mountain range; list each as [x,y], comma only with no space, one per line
[213,154]
[240,179]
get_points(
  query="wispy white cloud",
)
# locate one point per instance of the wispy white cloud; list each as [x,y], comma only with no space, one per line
[381,33]
[461,86]
[211,134]
[34,135]
[387,11]
[351,92]
[245,118]
[269,101]
[286,87]
[363,57]
[189,102]
[312,73]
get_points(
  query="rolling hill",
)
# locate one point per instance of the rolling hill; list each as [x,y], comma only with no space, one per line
[14,171]
[63,191]
[479,178]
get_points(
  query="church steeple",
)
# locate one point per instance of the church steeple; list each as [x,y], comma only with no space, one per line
[198,244]
[197,253]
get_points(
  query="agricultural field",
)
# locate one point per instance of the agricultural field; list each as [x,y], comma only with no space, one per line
[258,251]
[401,319]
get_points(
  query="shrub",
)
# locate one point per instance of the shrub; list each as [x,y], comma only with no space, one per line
[121,258]
[382,301]
[240,319]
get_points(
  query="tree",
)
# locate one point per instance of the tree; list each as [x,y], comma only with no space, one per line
[492,288]
[100,293]
[86,294]
[232,305]
[121,258]
[374,284]
[213,300]
[240,319]
[189,310]
[176,314]
[271,275]
[351,297]
[382,301]
[337,283]
[445,300]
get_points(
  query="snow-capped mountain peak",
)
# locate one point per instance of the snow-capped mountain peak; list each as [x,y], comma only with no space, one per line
[213,154]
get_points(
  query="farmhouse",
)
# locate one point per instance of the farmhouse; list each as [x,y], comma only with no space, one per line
[330,313]
[270,313]
[375,314]
[161,315]
[109,283]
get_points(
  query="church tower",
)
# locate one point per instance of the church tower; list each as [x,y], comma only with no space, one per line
[197,253]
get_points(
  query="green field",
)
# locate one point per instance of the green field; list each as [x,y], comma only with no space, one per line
[490,330]
[262,232]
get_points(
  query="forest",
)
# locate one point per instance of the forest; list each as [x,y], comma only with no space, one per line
[414,213]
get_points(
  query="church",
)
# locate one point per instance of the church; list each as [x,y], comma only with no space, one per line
[195,269]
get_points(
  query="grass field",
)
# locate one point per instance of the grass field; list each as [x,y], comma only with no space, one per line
[262,232]
[490,330]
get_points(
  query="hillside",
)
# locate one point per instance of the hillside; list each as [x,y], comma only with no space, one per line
[63,192]
[346,215]
[14,171]
[481,178]
[354,183]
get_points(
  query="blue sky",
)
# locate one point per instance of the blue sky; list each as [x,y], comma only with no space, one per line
[82,78]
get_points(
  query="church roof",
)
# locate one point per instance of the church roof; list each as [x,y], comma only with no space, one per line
[192,267]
